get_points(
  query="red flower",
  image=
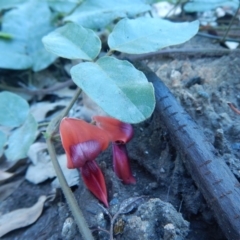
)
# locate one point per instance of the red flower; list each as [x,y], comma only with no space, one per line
[82,143]
[119,133]
[94,180]
[121,163]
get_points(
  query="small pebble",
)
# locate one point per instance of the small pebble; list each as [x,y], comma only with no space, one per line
[153,185]
[169,232]
[114,201]
[162,170]
[69,229]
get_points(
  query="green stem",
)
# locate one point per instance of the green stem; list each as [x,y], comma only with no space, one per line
[78,4]
[230,24]
[71,200]
[109,53]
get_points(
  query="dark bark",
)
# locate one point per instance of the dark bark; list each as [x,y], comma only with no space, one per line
[211,174]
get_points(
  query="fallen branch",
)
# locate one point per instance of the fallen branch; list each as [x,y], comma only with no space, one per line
[211,174]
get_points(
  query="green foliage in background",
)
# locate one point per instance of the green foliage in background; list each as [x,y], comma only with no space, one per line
[15,117]
[26,24]
[117,86]
[30,39]
[97,14]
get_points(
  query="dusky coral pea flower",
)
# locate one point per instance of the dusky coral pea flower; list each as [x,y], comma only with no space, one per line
[121,163]
[94,180]
[120,133]
[82,143]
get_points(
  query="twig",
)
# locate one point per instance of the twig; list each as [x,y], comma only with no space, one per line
[203,34]
[189,51]
[233,108]
[211,174]
[101,229]
[174,8]
[38,91]
[74,8]
[71,200]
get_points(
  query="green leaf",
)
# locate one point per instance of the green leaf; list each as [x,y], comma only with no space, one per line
[97,14]
[21,139]
[27,23]
[13,59]
[73,42]
[3,140]
[143,35]
[206,5]
[14,109]
[5,35]
[117,87]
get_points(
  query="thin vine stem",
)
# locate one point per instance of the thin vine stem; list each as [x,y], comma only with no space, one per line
[231,22]
[71,200]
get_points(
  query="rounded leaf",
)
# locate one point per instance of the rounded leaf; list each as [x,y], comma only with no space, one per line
[12,59]
[117,87]
[21,139]
[143,35]
[97,14]
[27,26]
[73,42]
[14,109]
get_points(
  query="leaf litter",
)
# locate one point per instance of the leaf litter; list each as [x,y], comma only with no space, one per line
[22,217]
[42,169]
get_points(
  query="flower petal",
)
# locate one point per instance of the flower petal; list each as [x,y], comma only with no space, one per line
[118,131]
[121,164]
[74,131]
[82,152]
[94,180]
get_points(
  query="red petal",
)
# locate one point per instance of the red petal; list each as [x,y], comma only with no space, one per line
[121,164]
[74,131]
[82,152]
[94,180]
[117,130]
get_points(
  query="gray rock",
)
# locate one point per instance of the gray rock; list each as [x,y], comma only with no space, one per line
[156,219]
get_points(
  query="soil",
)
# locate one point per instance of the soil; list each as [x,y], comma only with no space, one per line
[165,202]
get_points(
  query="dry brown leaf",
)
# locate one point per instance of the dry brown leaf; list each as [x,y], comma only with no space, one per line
[39,110]
[35,151]
[21,217]
[5,176]
[13,166]
[42,169]
[7,189]
[40,172]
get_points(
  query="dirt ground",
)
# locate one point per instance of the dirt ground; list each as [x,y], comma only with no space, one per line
[165,202]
